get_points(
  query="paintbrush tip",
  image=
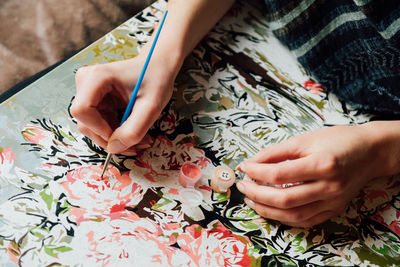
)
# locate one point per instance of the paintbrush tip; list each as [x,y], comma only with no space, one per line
[107,161]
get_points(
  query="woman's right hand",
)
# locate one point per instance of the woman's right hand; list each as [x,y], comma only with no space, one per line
[103,92]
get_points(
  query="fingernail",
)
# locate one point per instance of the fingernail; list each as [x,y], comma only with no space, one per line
[250,203]
[116,146]
[241,167]
[238,168]
[240,186]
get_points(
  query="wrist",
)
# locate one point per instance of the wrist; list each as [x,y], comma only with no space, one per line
[385,139]
[166,55]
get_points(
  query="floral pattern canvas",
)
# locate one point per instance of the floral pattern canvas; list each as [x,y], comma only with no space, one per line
[239,91]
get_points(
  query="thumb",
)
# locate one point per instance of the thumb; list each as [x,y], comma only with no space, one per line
[134,128]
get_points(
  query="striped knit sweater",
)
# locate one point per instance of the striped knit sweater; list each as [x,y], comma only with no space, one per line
[351,47]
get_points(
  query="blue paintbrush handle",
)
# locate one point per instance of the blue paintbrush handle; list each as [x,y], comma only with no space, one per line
[128,109]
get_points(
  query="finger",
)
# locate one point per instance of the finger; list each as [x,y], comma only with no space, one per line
[286,198]
[92,84]
[315,220]
[130,152]
[94,121]
[291,171]
[146,142]
[94,137]
[286,150]
[133,130]
[292,215]
[142,146]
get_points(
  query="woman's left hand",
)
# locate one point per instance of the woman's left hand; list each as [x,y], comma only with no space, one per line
[333,165]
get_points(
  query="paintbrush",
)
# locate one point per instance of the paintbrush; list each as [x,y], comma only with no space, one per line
[128,109]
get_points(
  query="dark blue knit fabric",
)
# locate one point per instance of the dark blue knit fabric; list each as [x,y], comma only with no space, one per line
[351,47]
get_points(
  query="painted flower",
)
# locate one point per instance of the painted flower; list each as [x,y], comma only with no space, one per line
[6,161]
[96,196]
[58,148]
[215,247]
[388,217]
[35,134]
[134,240]
[313,86]
[158,168]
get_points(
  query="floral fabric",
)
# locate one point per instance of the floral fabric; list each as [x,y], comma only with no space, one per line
[238,91]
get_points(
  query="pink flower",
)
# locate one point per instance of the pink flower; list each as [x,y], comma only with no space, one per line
[98,197]
[13,252]
[168,122]
[215,247]
[313,86]
[34,134]
[6,160]
[115,242]
[6,156]
[388,217]
[202,161]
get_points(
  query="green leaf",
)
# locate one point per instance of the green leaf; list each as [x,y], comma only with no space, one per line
[70,138]
[249,225]
[48,198]
[53,251]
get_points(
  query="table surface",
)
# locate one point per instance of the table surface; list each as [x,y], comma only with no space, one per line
[239,91]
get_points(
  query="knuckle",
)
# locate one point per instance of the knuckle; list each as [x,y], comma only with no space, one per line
[81,74]
[284,202]
[329,165]
[99,71]
[297,216]
[275,176]
[262,212]
[77,109]
[251,195]
[334,188]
